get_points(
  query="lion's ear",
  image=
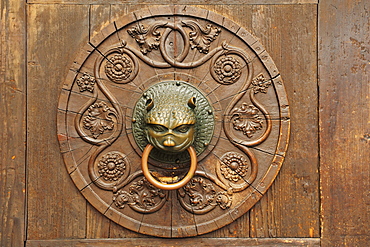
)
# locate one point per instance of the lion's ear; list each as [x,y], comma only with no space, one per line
[149,104]
[191,102]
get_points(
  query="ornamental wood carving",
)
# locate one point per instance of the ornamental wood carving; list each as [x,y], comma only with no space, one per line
[241,127]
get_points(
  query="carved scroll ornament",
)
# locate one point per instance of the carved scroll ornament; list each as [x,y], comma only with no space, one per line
[213,88]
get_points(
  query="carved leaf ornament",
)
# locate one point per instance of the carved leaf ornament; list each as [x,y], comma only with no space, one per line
[241,118]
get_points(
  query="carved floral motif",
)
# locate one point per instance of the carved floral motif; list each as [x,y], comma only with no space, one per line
[147,38]
[260,84]
[86,83]
[98,119]
[142,197]
[118,68]
[203,197]
[112,166]
[227,69]
[246,119]
[234,166]
[200,37]
[201,193]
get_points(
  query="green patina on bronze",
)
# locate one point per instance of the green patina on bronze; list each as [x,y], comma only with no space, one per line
[173,115]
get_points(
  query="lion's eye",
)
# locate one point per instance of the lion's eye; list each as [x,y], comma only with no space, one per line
[183,128]
[158,128]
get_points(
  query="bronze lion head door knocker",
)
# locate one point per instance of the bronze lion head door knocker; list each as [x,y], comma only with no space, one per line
[173,121]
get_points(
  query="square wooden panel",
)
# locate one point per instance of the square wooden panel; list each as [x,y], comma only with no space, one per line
[298,180]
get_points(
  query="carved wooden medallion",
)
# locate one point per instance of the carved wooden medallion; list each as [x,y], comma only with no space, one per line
[241,127]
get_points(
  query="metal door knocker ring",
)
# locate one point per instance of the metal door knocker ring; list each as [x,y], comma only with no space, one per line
[173,186]
[169,126]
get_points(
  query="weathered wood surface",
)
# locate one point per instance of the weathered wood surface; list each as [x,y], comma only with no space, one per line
[173,2]
[269,242]
[145,73]
[344,41]
[289,209]
[57,210]
[55,207]
[12,122]
[280,213]
[291,206]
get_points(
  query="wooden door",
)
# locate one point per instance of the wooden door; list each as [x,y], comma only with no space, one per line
[322,52]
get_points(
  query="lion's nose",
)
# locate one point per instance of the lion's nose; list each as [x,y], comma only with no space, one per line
[169,142]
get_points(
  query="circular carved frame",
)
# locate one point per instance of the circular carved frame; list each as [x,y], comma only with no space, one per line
[175,43]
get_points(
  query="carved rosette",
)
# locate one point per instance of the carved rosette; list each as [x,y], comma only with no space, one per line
[238,93]
[86,83]
[112,166]
[119,67]
[260,84]
[227,69]
[234,166]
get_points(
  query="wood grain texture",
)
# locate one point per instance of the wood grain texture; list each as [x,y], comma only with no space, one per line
[278,214]
[56,209]
[345,122]
[12,122]
[309,242]
[173,2]
[291,206]
[289,209]
[99,226]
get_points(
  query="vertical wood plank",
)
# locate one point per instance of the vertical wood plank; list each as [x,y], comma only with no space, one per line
[99,226]
[344,57]
[289,34]
[242,15]
[13,122]
[56,209]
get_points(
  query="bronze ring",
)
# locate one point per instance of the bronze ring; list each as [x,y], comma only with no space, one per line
[163,186]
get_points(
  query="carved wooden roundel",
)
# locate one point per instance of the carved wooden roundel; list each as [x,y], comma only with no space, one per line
[242,119]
